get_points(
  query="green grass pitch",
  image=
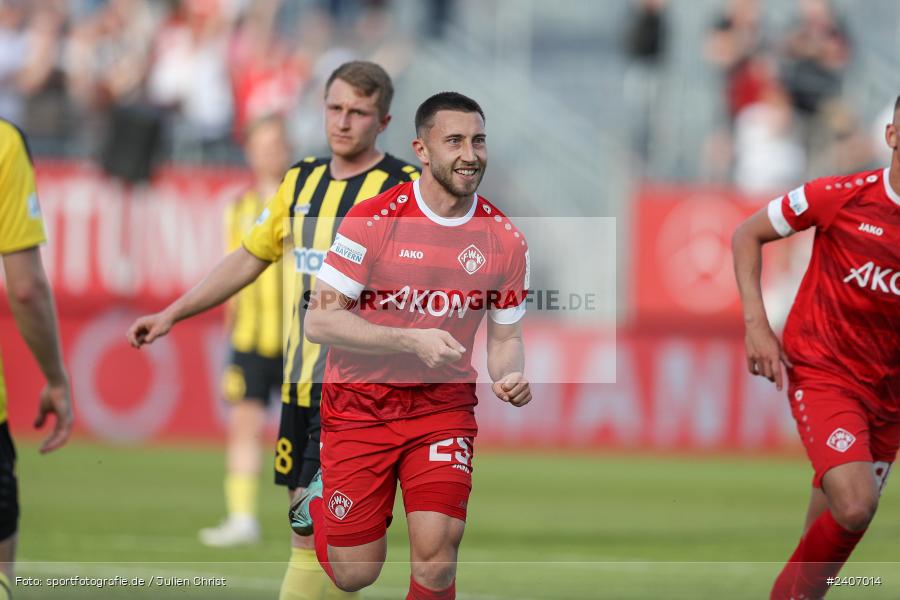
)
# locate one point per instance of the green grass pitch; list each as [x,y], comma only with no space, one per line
[541,526]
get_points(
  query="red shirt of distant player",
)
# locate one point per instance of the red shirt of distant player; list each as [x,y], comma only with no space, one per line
[406,266]
[844,328]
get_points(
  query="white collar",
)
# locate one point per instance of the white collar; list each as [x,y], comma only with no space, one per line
[447,222]
[888,189]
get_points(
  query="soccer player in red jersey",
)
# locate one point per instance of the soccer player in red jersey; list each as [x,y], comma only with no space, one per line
[841,349]
[411,274]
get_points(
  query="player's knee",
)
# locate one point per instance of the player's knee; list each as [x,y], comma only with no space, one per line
[300,541]
[352,577]
[855,514]
[434,574]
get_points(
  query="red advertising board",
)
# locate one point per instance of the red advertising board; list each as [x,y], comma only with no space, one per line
[681,269]
[110,243]
[117,252]
[670,392]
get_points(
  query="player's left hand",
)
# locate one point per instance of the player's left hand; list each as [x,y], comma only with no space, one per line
[55,400]
[513,388]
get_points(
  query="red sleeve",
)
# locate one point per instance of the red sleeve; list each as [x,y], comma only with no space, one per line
[513,286]
[351,256]
[813,204]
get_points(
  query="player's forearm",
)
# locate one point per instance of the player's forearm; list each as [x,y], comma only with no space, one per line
[234,272]
[505,357]
[747,252]
[35,315]
[343,329]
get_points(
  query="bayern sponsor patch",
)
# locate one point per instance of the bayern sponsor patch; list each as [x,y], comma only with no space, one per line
[840,440]
[339,505]
[797,201]
[348,249]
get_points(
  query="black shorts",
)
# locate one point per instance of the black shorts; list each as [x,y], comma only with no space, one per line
[297,449]
[251,376]
[9,487]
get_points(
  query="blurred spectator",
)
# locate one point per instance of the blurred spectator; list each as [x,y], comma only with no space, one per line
[847,148]
[881,151]
[108,54]
[266,75]
[106,63]
[29,45]
[13,52]
[768,151]
[816,52]
[734,45]
[437,15]
[47,116]
[645,48]
[189,77]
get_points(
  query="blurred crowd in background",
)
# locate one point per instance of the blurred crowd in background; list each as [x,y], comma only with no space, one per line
[134,81]
[783,116]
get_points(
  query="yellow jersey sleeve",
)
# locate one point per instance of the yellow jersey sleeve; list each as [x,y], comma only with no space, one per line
[233,235]
[265,240]
[21,225]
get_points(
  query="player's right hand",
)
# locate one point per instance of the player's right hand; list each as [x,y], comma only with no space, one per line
[765,357]
[436,347]
[147,328]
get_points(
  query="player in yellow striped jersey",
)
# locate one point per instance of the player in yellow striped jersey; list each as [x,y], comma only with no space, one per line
[313,195]
[31,302]
[255,322]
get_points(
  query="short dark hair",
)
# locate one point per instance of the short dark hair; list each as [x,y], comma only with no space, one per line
[367,78]
[444,101]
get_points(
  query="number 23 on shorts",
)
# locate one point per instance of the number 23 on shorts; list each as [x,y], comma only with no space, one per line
[453,449]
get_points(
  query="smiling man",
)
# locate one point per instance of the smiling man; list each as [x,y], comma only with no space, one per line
[403,290]
[314,194]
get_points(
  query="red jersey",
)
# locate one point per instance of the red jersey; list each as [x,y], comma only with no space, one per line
[844,326]
[405,266]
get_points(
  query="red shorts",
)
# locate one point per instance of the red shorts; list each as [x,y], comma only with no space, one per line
[837,429]
[431,456]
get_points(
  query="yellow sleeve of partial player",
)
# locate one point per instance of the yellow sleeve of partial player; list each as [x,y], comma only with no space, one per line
[21,225]
[265,240]
[231,221]
[411,172]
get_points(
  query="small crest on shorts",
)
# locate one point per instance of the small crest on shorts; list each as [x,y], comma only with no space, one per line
[339,504]
[840,440]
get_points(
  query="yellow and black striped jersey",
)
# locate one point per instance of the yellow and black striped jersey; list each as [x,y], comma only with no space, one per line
[21,225]
[305,213]
[256,312]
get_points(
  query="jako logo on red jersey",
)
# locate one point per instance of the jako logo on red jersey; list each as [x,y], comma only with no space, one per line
[871,229]
[471,259]
[417,254]
[339,505]
[875,278]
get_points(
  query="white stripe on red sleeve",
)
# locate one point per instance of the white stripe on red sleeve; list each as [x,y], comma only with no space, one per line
[776,217]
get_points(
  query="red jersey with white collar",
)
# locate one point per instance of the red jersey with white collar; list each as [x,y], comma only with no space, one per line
[405,266]
[844,326]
